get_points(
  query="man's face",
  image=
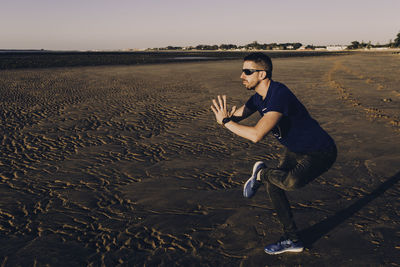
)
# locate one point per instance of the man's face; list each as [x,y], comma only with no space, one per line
[252,80]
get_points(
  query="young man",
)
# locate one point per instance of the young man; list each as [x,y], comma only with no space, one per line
[309,150]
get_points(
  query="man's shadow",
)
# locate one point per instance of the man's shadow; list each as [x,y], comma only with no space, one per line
[313,233]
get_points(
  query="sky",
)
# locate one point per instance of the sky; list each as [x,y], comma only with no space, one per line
[134,24]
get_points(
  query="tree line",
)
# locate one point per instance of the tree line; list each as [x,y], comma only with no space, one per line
[391,44]
[252,46]
[280,46]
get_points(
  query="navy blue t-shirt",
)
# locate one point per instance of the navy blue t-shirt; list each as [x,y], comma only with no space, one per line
[296,130]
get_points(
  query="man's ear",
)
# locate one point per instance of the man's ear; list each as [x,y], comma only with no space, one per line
[262,75]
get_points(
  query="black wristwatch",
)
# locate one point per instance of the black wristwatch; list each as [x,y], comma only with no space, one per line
[226,120]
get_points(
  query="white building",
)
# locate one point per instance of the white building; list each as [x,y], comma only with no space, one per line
[336,47]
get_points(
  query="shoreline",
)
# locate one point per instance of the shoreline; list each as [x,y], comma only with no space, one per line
[38,59]
[55,59]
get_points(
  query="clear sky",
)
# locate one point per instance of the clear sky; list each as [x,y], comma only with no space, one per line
[120,24]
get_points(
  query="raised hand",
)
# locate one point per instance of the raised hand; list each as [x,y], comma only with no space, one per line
[220,109]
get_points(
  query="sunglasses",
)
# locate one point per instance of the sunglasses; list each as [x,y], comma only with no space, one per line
[250,71]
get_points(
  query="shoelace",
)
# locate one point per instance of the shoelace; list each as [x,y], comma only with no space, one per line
[286,243]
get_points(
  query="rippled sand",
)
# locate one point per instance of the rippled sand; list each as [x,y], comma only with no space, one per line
[126,166]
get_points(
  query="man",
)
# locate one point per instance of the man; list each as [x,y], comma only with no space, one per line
[309,150]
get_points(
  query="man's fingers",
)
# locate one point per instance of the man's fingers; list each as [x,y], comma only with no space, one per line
[214,110]
[216,104]
[221,106]
[224,101]
[233,111]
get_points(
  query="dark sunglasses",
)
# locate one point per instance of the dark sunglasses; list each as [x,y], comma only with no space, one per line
[250,71]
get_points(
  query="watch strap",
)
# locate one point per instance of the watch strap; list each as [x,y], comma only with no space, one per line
[226,120]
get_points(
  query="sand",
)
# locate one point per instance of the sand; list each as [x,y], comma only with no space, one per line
[126,166]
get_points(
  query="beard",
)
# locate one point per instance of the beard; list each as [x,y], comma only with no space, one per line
[250,87]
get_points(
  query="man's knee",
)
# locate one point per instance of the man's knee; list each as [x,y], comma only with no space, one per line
[289,184]
[282,179]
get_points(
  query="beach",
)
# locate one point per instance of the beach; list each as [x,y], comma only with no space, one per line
[126,166]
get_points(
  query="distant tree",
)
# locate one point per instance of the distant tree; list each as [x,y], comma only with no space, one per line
[363,45]
[227,46]
[207,47]
[354,45]
[268,47]
[174,47]
[201,47]
[396,42]
[272,46]
[263,46]
[253,45]
[297,45]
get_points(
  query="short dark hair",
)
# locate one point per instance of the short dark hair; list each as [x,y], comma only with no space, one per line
[261,59]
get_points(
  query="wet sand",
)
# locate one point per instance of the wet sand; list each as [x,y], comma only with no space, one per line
[126,166]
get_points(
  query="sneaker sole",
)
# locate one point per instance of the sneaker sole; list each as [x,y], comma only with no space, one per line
[297,250]
[253,175]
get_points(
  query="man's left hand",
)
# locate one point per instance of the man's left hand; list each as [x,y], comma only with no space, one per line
[220,110]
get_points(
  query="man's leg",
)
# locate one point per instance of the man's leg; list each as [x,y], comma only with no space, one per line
[278,196]
[307,167]
[287,161]
[283,210]
[294,171]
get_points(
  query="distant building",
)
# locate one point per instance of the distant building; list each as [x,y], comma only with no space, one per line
[379,48]
[336,47]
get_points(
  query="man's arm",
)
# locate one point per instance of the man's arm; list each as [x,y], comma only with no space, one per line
[253,133]
[256,133]
[241,114]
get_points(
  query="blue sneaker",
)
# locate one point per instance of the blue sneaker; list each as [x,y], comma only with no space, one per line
[284,246]
[251,186]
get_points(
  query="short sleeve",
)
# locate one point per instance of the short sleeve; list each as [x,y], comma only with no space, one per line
[279,102]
